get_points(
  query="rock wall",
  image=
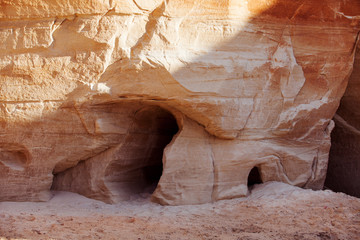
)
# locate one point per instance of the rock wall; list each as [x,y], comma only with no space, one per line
[250,84]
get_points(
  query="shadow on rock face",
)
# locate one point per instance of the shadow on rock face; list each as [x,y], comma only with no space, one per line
[343,173]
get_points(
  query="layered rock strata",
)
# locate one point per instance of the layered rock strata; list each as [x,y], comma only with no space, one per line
[91,92]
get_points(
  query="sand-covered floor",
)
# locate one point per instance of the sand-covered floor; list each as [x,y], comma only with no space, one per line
[271,211]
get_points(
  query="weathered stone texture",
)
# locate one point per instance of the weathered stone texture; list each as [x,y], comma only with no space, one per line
[250,84]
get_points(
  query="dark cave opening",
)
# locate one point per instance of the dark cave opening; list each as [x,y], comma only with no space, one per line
[343,173]
[139,165]
[254,177]
[133,164]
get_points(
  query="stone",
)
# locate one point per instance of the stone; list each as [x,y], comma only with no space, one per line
[103,98]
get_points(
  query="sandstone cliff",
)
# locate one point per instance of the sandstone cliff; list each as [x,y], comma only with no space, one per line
[92,91]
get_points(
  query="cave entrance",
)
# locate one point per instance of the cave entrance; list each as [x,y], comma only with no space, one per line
[254,177]
[140,163]
[343,173]
[131,165]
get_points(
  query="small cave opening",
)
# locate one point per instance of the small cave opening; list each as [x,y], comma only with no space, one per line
[131,165]
[139,166]
[254,177]
[343,172]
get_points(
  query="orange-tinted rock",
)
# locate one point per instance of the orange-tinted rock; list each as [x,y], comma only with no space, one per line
[250,84]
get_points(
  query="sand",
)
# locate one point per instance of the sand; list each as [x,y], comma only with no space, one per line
[271,211]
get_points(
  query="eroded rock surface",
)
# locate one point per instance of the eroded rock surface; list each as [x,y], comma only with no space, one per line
[249,83]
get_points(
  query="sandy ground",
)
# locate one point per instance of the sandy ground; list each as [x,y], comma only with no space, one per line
[271,211]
